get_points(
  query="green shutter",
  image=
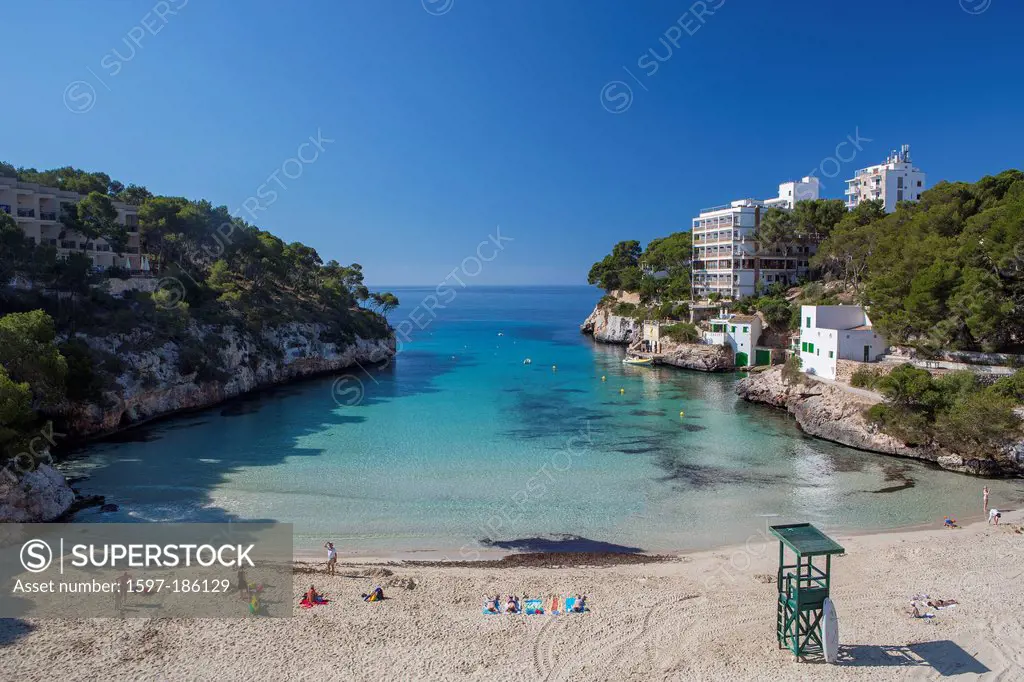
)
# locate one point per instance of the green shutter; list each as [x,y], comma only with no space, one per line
[808,323]
[746,330]
[830,355]
[810,347]
[734,330]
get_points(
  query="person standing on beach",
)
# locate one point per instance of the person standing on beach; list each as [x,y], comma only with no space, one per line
[332,557]
[984,498]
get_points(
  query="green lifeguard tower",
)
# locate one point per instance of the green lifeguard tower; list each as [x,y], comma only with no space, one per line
[803,586]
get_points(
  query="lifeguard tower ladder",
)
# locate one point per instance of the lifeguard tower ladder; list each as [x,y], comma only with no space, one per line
[803,586]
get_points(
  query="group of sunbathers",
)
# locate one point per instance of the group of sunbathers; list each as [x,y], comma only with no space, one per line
[514,605]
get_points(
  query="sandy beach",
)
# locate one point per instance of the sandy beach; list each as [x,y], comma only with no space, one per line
[702,616]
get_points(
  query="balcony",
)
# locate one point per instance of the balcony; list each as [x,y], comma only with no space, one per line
[26,213]
[48,215]
[6,208]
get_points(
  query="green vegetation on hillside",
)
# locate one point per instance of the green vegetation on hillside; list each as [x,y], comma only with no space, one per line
[668,257]
[954,411]
[32,379]
[946,272]
[215,271]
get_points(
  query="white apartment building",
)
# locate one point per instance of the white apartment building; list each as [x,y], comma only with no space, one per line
[829,333]
[725,256]
[895,180]
[37,210]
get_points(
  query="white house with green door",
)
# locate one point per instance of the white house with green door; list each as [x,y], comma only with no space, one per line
[829,333]
[741,333]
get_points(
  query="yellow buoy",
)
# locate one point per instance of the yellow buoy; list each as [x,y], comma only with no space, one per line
[604,378]
[554,368]
[622,390]
[681,413]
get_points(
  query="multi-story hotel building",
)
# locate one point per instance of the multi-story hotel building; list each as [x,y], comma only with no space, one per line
[895,180]
[37,210]
[726,259]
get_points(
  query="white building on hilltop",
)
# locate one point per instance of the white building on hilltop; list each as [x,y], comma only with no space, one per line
[829,333]
[895,180]
[724,249]
[37,210]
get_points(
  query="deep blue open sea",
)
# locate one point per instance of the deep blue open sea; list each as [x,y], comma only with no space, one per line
[457,445]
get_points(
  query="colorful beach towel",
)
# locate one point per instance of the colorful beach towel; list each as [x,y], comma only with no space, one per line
[533,607]
[306,604]
[570,606]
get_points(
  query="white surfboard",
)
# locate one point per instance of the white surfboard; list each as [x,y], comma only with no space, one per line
[830,631]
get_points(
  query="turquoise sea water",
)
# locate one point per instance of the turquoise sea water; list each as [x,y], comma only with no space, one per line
[458,446]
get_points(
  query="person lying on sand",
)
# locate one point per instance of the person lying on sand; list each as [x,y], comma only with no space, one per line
[313,596]
[492,605]
[512,605]
[941,603]
[949,523]
[916,612]
[376,595]
[581,604]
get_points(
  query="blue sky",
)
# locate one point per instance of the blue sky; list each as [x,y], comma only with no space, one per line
[451,117]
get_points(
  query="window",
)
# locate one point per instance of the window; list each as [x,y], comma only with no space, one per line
[810,347]
[808,323]
[918,183]
[746,330]
[803,347]
[899,195]
[732,329]
[899,182]
[831,355]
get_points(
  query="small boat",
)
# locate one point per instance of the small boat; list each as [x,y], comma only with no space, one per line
[637,361]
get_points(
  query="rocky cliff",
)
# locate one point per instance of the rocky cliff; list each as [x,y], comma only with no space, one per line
[151,383]
[40,495]
[828,412]
[699,357]
[606,327]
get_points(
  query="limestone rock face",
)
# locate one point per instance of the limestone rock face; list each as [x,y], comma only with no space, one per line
[833,414]
[700,357]
[37,496]
[151,384]
[608,328]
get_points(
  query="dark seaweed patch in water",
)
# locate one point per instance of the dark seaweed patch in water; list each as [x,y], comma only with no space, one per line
[240,409]
[898,475]
[648,413]
[640,451]
[514,389]
[703,476]
[694,428]
[569,390]
[560,543]
[139,434]
[538,417]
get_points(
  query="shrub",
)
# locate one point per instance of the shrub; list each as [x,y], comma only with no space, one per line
[864,377]
[792,372]
[624,309]
[684,332]
[1011,387]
